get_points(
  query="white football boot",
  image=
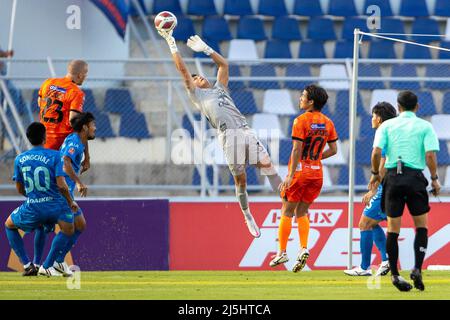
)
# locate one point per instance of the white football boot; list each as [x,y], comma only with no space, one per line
[383,269]
[358,271]
[50,272]
[301,260]
[279,258]
[251,225]
[63,268]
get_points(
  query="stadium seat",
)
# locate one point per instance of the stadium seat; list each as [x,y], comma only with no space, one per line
[16,96]
[134,12]
[277,49]
[442,8]
[342,8]
[404,70]
[103,124]
[416,8]
[184,29]
[34,101]
[241,49]
[89,102]
[338,158]
[263,70]
[297,70]
[312,50]
[416,52]
[437,71]
[427,106]
[341,124]
[447,177]
[251,28]
[385,7]
[336,71]
[273,8]
[310,8]
[201,8]
[370,70]
[235,71]
[213,44]
[321,29]
[344,49]
[290,123]
[244,101]
[349,26]
[118,101]
[265,124]
[134,125]
[285,150]
[443,158]
[216,28]
[392,25]
[252,177]
[382,50]
[196,179]
[366,133]
[425,26]
[286,28]
[238,8]
[446,103]
[360,178]
[440,124]
[363,148]
[343,104]
[187,125]
[278,102]
[444,54]
[168,5]
[387,95]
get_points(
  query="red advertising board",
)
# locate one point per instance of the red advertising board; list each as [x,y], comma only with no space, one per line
[213,236]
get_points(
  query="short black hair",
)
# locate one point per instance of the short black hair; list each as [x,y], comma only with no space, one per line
[80,120]
[384,110]
[36,133]
[407,99]
[318,95]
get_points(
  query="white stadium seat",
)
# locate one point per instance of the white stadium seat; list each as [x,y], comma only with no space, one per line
[242,49]
[440,124]
[337,159]
[278,101]
[447,177]
[336,71]
[267,125]
[387,95]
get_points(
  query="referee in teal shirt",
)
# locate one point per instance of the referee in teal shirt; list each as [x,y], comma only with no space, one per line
[410,143]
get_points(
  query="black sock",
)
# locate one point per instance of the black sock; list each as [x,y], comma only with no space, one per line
[392,252]
[420,246]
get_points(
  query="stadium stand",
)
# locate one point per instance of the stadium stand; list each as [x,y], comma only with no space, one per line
[242,49]
[201,8]
[134,125]
[440,124]
[263,70]
[245,101]
[251,28]
[311,8]
[339,72]
[311,50]
[320,28]
[442,8]
[404,70]
[416,8]
[278,102]
[265,124]
[277,49]
[343,8]
[238,7]
[119,101]
[385,6]
[167,5]
[272,8]
[286,28]
[216,28]
[184,29]
[297,70]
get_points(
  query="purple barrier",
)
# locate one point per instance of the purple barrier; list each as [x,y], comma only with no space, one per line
[120,235]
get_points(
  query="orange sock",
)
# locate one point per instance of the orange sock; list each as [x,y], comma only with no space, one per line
[303,230]
[284,231]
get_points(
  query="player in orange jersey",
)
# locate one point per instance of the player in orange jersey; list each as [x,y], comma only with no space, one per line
[311,131]
[60,100]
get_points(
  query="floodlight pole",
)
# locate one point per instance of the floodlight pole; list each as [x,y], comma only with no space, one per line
[351,167]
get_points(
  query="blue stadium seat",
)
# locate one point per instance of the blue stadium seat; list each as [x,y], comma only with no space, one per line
[16,96]
[370,70]
[263,70]
[381,50]
[446,103]
[167,5]
[416,52]
[235,71]
[437,71]
[216,28]
[273,8]
[425,26]
[285,150]
[290,123]
[133,125]
[365,129]
[442,8]
[134,12]
[362,151]
[277,49]
[427,106]
[392,25]
[186,124]
[118,101]
[286,28]
[343,102]
[360,178]
[385,7]
[297,70]
[344,49]
[196,179]
[404,70]
[104,129]
[89,102]
[341,123]
[310,8]
[252,177]
[34,103]
[312,49]
[342,8]
[444,54]
[416,8]
[245,101]
[251,28]
[238,8]
[213,44]
[201,7]
[321,29]
[349,26]
[443,157]
[184,29]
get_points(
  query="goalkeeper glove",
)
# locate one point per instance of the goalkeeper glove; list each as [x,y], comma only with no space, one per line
[198,45]
[170,40]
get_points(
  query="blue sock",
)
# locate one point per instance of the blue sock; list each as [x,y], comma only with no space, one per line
[380,241]
[366,244]
[58,245]
[70,244]
[39,243]
[16,243]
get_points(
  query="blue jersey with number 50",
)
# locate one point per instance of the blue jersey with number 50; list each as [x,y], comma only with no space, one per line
[36,170]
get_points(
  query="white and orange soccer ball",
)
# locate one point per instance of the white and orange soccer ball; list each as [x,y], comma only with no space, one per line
[165,21]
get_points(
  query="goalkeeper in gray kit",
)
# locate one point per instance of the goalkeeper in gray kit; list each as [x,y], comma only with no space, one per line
[239,142]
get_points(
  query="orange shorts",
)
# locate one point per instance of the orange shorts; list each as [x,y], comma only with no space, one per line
[303,190]
[54,142]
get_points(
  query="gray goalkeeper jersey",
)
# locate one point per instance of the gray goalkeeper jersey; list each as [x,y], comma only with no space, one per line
[218,107]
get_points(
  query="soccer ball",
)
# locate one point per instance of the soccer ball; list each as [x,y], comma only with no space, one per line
[165,21]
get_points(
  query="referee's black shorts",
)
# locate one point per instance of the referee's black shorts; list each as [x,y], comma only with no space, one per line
[407,188]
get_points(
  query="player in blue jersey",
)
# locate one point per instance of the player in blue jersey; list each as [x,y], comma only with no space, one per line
[373,214]
[39,176]
[71,154]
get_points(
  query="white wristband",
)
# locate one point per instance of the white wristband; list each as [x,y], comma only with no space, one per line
[208,51]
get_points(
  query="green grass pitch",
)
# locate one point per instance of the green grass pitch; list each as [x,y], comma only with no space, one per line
[218,285]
